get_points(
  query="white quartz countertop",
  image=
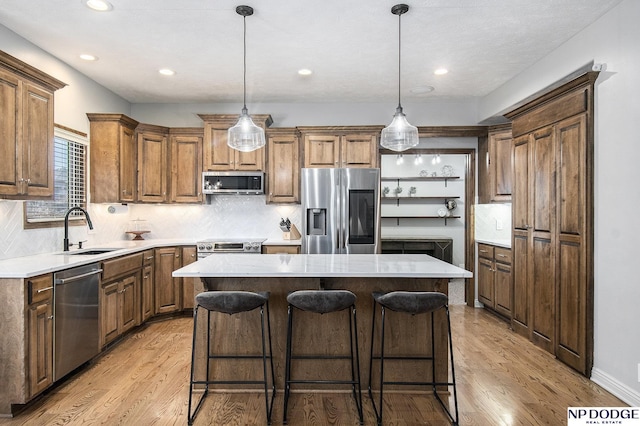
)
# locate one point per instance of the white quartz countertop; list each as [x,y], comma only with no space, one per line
[322,265]
[30,266]
[499,243]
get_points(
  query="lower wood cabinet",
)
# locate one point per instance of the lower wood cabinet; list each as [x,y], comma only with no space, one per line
[40,333]
[280,249]
[189,255]
[495,284]
[118,307]
[168,290]
[147,286]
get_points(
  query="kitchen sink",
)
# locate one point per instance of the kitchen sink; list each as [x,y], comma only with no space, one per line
[89,252]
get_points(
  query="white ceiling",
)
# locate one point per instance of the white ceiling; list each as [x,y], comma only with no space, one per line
[350,45]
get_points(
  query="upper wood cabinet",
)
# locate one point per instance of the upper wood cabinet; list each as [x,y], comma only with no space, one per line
[495,159]
[113,159]
[26,133]
[283,166]
[153,164]
[216,153]
[186,164]
[350,146]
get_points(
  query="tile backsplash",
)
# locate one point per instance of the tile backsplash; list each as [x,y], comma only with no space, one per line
[490,217]
[226,216]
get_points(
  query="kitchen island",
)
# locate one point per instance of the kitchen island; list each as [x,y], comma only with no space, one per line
[362,274]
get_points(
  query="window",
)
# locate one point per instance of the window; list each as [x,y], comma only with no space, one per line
[69,181]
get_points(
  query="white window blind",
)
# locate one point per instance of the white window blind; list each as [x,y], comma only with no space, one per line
[69,180]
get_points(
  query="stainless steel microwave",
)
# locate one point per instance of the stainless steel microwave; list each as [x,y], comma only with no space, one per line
[237,182]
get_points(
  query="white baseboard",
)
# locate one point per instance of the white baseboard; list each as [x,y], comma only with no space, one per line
[622,391]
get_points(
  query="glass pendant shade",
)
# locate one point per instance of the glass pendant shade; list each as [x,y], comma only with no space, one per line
[399,135]
[245,136]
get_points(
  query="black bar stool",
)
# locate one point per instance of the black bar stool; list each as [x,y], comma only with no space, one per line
[322,302]
[411,302]
[232,302]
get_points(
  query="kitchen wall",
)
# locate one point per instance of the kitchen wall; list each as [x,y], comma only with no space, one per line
[611,40]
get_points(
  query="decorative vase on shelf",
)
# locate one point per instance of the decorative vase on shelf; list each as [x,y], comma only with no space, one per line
[385,191]
[412,191]
[398,191]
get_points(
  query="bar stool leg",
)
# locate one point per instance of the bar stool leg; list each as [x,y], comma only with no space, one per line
[455,419]
[191,415]
[287,370]
[269,406]
[355,375]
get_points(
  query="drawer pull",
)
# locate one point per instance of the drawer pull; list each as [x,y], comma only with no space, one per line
[44,289]
[148,258]
[501,255]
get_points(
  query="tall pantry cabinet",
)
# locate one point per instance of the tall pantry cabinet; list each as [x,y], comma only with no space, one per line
[552,239]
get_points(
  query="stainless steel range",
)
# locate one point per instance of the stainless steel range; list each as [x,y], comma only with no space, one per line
[229,245]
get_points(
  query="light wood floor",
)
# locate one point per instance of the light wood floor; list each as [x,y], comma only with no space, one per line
[502,380]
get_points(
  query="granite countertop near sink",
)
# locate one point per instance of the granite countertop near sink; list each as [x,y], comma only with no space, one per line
[30,266]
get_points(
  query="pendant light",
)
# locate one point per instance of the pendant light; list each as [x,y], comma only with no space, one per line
[245,135]
[399,135]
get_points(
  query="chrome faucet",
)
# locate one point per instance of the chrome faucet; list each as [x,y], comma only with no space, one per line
[66,224]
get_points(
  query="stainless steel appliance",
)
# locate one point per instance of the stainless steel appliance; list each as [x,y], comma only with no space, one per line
[237,182]
[229,245]
[340,212]
[75,316]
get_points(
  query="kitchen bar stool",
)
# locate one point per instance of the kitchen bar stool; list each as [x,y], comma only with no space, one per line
[322,302]
[411,303]
[232,302]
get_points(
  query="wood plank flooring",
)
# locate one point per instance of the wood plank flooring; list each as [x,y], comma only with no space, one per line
[502,380]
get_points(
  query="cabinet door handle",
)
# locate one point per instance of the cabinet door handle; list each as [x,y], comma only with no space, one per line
[50,318]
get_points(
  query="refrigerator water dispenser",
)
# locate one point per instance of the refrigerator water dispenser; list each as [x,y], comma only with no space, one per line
[316,221]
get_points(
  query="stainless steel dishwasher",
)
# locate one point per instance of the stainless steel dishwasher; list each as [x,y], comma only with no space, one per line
[75,316]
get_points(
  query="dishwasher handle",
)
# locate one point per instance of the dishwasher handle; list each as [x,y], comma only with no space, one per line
[59,281]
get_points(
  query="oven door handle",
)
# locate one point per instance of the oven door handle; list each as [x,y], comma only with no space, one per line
[77,277]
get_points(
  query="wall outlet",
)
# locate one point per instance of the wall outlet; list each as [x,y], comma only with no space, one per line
[499,225]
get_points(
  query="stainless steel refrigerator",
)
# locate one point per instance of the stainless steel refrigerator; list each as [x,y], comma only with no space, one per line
[340,211]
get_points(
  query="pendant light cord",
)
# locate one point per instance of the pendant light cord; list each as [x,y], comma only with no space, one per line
[399,53]
[244,70]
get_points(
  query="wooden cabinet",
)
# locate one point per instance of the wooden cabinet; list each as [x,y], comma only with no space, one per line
[40,333]
[495,169]
[353,146]
[147,286]
[283,166]
[153,164]
[186,165]
[119,296]
[189,255]
[553,222]
[168,290]
[216,153]
[26,133]
[113,158]
[495,286]
[280,249]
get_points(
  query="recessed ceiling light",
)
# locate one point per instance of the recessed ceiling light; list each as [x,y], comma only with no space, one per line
[98,5]
[166,71]
[441,71]
[87,57]
[420,90]
[305,71]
